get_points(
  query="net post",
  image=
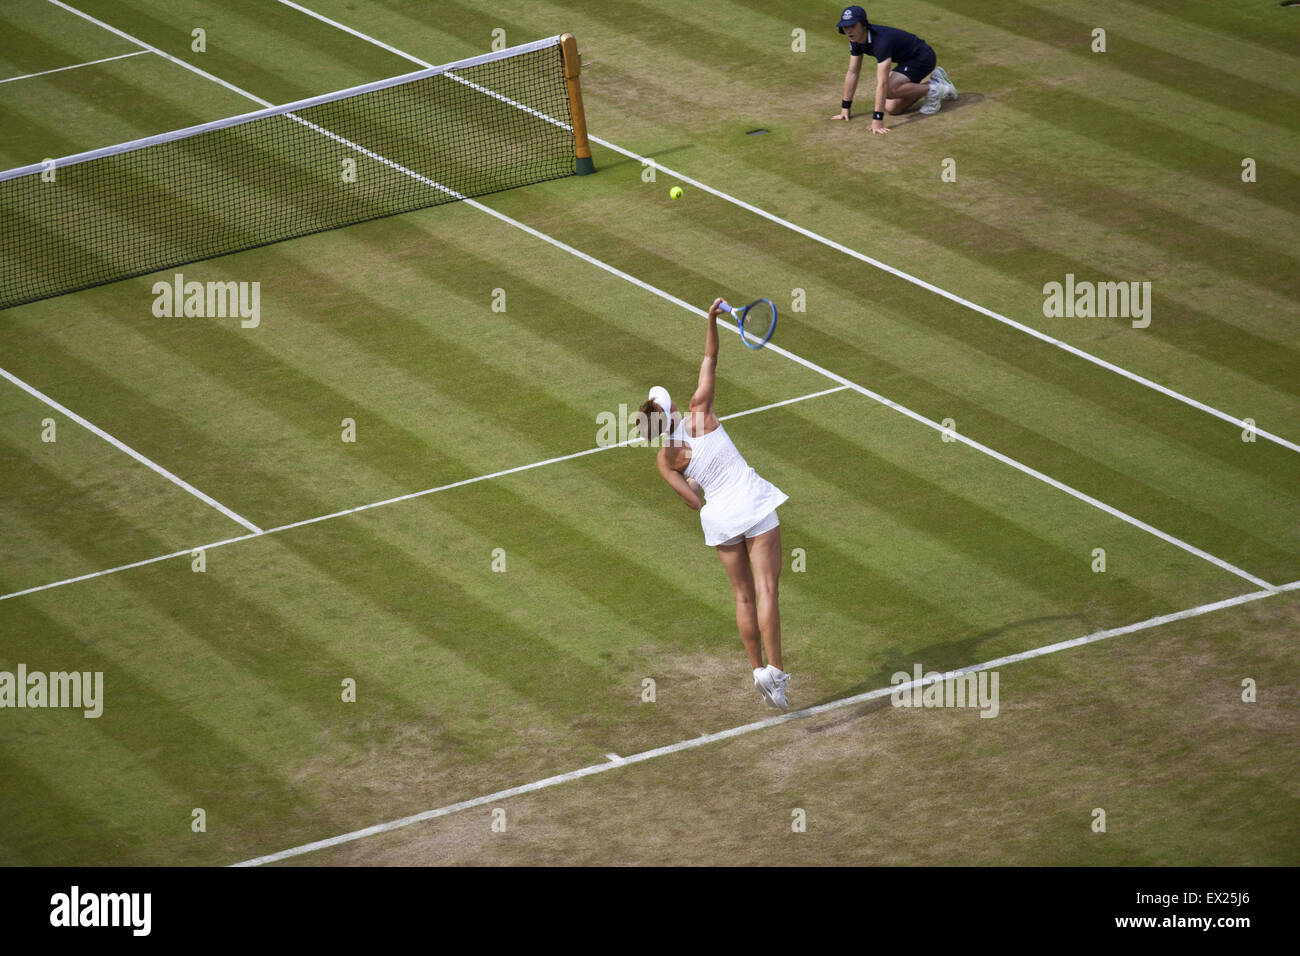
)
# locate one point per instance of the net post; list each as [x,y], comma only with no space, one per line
[572,69]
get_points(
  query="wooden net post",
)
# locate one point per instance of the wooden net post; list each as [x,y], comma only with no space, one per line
[572,69]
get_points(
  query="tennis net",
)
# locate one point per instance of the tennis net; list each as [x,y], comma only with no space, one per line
[466,129]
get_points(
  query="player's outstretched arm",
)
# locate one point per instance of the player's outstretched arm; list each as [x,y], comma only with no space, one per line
[702,400]
[850,88]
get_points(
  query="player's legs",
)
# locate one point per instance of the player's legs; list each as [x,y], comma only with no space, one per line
[735,558]
[901,93]
[905,84]
[765,562]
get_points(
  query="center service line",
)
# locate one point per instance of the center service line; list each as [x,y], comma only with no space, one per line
[390,501]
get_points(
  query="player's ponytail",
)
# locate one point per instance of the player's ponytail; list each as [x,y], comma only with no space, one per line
[652,420]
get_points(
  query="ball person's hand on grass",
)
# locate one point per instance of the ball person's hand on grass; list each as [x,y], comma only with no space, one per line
[903,61]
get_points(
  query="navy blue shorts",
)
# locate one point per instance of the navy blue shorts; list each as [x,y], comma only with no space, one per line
[918,68]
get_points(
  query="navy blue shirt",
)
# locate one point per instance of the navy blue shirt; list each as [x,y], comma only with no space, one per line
[887,43]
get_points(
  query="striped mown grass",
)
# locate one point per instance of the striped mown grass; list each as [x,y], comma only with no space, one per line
[223,688]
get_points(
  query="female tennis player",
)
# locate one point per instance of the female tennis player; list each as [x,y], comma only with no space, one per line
[737,511]
[898,90]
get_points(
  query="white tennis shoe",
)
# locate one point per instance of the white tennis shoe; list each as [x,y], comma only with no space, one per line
[782,681]
[931,104]
[773,685]
[949,91]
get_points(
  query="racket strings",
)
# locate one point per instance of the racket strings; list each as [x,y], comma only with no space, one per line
[756,322]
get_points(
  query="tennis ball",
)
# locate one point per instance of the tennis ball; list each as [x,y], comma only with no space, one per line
[675,192]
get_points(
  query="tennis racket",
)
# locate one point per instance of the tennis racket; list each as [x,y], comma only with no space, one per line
[757,321]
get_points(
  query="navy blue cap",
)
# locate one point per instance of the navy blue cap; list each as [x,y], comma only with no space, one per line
[852,15]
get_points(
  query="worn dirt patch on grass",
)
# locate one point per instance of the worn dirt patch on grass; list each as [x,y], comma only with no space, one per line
[1149,727]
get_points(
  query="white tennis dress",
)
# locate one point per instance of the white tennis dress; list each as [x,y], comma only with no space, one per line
[735,497]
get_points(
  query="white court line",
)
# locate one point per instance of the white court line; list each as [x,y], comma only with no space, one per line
[839,247]
[737,731]
[154,49]
[389,501]
[952,297]
[1114,512]
[614,762]
[95,429]
[75,66]
[902,409]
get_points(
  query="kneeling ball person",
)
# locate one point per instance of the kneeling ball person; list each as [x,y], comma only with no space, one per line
[897,89]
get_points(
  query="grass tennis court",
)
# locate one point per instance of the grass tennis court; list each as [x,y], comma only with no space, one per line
[499,631]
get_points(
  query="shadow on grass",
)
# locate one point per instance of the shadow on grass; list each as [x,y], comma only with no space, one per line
[657,155]
[962,101]
[941,657]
